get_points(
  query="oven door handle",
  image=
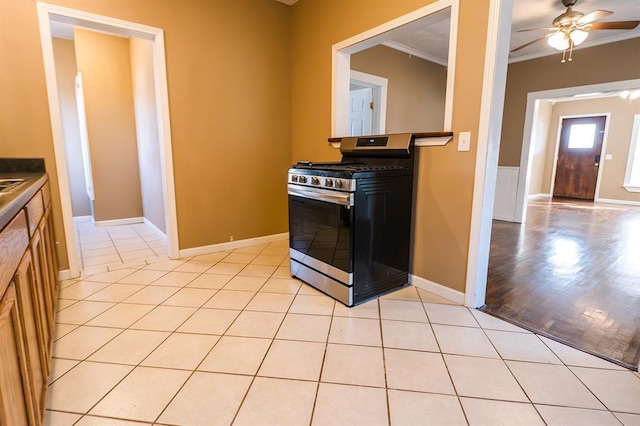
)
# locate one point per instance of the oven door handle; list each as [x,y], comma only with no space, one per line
[333,197]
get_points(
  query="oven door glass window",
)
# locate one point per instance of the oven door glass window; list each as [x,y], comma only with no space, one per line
[321,230]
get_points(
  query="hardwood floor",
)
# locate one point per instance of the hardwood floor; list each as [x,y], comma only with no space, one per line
[572,272]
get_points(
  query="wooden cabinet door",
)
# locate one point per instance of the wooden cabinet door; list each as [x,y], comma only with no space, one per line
[49,245]
[42,295]
[15,410]
[36,348]
[579,157]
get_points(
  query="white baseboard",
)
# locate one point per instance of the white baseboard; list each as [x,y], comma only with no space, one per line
[115,222]
[88,218]
[435,288]
[538,197]
[196,251]
[155,228]
[65,274]
[612,201]
[504,218]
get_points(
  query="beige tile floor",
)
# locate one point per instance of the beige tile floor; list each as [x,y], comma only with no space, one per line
[231,338]
[105,248]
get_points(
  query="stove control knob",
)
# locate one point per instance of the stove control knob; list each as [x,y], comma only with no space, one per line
[328,182]
[338,183]
[315,181]
[302,179]
[294,178]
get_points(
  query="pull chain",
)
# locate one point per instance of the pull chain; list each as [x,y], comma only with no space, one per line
[570,49]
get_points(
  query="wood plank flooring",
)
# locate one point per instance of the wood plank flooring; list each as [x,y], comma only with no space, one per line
[572,273]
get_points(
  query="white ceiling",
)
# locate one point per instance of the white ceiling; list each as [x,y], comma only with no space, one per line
[429,39]
[526,16]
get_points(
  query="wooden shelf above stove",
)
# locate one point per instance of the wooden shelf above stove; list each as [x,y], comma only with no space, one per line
[422,139]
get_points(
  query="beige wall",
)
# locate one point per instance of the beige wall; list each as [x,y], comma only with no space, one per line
[416,91]
[600,64]
[539,147]
[65,58]
[25,129]
[235,133]
[445,181]
[149,161]
[228,70]
[617,142]
[105,64]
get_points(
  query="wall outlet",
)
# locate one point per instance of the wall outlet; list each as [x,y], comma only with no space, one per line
[231,238]
[464,141]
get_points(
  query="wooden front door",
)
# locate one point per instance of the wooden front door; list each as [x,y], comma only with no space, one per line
[579,157]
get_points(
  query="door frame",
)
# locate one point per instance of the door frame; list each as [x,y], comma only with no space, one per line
[379,86]
[531,116]
[48,13]
[84,139]
[607,116]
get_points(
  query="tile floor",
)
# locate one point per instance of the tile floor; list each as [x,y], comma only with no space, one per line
[231,338]
[109,247]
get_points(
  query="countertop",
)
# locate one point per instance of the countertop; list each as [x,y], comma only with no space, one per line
[32,171]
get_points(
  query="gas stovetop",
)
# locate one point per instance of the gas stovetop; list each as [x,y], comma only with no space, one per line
[345,166]
[367,157]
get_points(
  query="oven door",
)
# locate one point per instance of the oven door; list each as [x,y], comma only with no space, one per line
[320,231]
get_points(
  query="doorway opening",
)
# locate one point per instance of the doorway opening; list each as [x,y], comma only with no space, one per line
[553,274]
[402,35]
[368,104]
[49,15]
[527,174]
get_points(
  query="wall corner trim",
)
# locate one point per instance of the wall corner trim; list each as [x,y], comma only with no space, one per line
[155,228]
[196,251]
[438,289]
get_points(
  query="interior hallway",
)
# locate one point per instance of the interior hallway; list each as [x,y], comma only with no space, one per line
[103,248]
[231,338]
[571,272]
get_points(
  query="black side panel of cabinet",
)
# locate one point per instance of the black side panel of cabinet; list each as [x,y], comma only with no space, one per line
[382,235]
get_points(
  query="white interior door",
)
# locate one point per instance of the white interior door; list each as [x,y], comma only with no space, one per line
[84,137]
[360,111]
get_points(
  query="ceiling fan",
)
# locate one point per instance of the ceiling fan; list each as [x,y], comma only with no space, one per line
[571,28]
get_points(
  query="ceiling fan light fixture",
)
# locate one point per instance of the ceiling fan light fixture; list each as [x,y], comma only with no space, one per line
[625,94]
[578,36]
[559,41]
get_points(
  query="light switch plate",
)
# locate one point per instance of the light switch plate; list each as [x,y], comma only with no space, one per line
[608,157]
[464,141]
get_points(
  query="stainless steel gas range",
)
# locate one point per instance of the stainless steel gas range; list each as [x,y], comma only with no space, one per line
[350,221]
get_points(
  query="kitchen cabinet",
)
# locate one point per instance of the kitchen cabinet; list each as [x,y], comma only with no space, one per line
[41,279]
[28,287]
[15,403]
[35,347]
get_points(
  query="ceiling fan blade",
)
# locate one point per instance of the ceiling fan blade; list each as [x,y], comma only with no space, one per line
[530,43]
[618,25]
[593,16]
[537,29]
